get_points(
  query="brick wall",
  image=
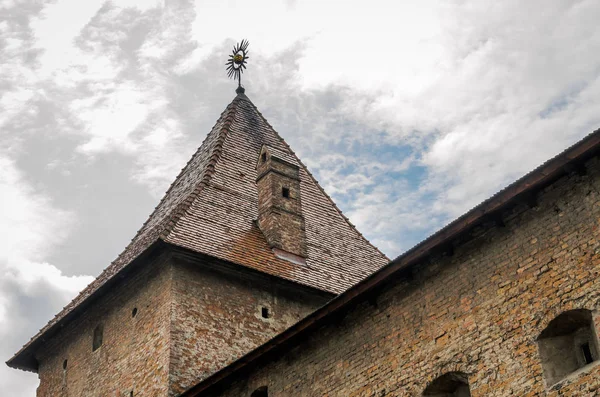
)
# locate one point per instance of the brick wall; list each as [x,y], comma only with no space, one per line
[134,356]
[478,311]
[190,320]
[218,316]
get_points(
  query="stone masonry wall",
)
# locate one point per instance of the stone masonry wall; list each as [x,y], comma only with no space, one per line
[217,317]
[478,311]
[134,357]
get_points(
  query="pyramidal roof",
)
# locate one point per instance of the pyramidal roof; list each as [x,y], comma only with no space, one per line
[212,207]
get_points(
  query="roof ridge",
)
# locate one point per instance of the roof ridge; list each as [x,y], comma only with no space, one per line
[227,116]
[315,180]
[139,233]
[223,116]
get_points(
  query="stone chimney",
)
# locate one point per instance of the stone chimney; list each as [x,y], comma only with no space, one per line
[279,204]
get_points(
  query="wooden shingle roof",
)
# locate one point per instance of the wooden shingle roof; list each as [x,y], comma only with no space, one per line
[212,206]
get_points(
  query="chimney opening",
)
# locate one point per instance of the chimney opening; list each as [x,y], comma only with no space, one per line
[285,192]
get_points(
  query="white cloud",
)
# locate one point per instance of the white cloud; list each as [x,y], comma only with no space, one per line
[26,224]
[56,34]
[29,228]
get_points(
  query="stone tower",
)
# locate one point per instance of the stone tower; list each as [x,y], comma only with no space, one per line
[236,251]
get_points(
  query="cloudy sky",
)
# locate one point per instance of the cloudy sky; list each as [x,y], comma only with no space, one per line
[408,112]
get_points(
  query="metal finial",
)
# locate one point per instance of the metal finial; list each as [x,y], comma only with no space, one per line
[237,63]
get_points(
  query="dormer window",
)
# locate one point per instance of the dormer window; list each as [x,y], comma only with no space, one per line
[285,192]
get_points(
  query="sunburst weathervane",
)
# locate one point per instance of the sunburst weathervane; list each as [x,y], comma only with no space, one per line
[237,62]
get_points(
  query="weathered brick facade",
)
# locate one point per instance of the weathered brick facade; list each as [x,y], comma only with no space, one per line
[134,356]
[218,316]
[192,316]
[477,309]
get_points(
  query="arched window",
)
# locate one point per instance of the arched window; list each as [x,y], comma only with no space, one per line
[452,384]
[98,336]
[568,343]
[262,391]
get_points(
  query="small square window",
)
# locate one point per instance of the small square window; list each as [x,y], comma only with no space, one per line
[285,192]
[265,312]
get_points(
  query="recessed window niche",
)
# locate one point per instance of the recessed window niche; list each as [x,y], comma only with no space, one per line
[451,384]
[98,337]
[262,391]
[568,343]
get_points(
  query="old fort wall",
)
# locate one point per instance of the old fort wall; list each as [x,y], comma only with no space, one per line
[165,326]
[133,359]
[477,311]
[218,316]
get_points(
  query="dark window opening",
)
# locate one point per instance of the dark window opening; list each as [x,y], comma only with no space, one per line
[285,192]
[65,364]
[98,336]
[262,391]
[131,394]
[587,353]
[134,312]
[452,384]
[263,157]
[265,312]
[568,343]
